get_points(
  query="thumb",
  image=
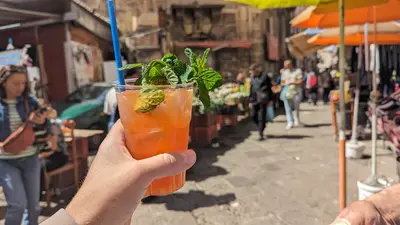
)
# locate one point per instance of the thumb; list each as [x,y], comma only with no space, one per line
[341,221]
[167,164]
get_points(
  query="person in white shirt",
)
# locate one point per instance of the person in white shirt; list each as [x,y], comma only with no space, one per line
[292,79]
[111,104]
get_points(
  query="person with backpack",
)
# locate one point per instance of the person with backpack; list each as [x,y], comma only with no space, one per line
[312,87]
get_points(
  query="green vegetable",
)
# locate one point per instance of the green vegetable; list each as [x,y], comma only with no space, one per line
[170,59]
[131,66]
[171,75]
[211,81]
[150,98]
[188,75]
[172,71]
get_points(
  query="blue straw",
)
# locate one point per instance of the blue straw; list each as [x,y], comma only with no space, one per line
[115,39]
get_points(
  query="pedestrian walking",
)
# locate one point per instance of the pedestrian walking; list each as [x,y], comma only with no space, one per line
[260,97]
[110,108]
[326,83]
[312,86]
[19,168]
[291,80]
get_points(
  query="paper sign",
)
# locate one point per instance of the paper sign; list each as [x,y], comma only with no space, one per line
[11,57]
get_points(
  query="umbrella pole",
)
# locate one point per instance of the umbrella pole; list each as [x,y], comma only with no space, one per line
[342,137]
[357,97]
[374,96]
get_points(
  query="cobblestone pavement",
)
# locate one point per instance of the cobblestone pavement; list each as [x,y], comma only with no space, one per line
[292,178]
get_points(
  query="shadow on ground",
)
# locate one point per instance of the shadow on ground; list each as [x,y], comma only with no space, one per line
[308,110]
[368,156]
[279,121]
[186,202]
[207,156]
[289,137]
[317,125]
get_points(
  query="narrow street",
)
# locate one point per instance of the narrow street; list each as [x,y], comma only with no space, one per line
[290,179]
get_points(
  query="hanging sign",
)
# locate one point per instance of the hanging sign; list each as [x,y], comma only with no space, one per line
[12,57]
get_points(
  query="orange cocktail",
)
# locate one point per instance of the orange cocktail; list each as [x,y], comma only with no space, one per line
[161,130]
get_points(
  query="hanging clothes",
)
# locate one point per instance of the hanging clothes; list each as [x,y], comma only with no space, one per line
[374,50]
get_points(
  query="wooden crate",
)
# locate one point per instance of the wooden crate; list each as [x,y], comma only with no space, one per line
[204,135]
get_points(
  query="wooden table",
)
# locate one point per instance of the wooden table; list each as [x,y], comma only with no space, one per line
[82,142]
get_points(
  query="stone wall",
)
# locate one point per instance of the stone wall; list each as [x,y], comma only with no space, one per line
[235,22]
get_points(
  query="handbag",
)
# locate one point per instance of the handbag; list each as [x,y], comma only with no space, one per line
[21,138]
[291,91]
[262,97]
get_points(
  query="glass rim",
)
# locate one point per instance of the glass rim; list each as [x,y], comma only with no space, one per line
[138,87]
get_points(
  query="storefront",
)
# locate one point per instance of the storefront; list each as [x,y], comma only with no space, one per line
[69,42]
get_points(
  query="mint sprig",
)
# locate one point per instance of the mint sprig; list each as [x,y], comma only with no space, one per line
[172,71]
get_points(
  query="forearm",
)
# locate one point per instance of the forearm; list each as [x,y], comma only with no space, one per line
[298,82]
[387,203]
[44,155]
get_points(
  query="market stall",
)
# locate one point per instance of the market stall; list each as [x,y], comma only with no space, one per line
[227,103]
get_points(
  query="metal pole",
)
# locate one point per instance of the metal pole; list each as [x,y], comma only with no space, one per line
[357,97]
[342,128]
[374,100]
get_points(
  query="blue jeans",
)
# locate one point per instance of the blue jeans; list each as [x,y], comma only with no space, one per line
[290,105]
[20,179]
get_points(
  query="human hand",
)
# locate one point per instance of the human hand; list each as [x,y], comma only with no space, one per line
[380,209]
[360,213]
[116,182]
[37,118]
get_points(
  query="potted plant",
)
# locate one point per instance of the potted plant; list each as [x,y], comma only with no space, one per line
[203,127]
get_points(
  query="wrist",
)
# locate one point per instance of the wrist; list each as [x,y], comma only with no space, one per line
[81,209]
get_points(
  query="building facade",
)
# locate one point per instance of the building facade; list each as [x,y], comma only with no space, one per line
[238,35]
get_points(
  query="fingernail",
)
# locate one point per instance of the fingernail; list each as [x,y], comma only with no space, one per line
[341,222]
[190,157]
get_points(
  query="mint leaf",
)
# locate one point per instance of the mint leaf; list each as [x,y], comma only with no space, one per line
[139,81]
[179,67]
[170,59]
[145,70]
[188,75]
[211,79]
[193,58]
[172,78]
[147,89]
[205,57]
[203,94]
[155,73]
[150,97]
[131,66]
